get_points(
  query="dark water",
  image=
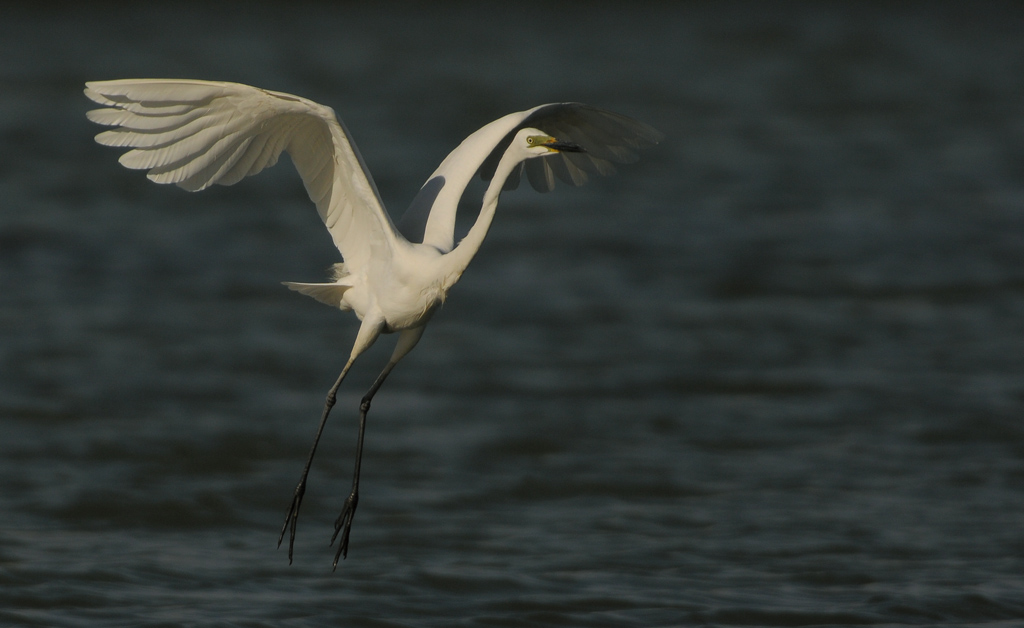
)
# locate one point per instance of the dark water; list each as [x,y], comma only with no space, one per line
[768,376]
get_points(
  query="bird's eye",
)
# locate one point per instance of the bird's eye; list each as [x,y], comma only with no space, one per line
[529,140]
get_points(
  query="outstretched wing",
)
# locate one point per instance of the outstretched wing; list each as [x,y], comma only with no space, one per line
[606,137]
[197,133]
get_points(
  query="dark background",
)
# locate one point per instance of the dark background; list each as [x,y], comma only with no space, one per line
[769,375]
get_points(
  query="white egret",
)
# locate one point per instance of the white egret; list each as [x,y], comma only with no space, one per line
[394,277]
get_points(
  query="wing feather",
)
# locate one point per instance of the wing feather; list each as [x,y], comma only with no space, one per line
[606,137]
[140,123]
[199,133]
[246,162]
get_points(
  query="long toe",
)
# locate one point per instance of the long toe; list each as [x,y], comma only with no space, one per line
[346,529]
[291,520]
[342,547]
[343,526]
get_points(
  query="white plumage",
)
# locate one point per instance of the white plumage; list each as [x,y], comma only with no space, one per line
[198,133]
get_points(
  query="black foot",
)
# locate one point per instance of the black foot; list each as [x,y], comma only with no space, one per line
[292,519]
[344,525]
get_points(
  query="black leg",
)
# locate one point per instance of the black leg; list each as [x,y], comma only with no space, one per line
[292,519]
[343,524]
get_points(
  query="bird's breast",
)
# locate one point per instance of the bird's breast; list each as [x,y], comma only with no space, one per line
[409,306]
[408,289]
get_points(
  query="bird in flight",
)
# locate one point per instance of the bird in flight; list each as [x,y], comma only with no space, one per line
[394,276]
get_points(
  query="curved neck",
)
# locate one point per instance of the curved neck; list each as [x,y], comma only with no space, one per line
[430,218]
[459,258]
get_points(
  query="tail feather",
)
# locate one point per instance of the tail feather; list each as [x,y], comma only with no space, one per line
[326,293]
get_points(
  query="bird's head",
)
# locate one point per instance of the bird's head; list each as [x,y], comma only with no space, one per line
[536,143]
